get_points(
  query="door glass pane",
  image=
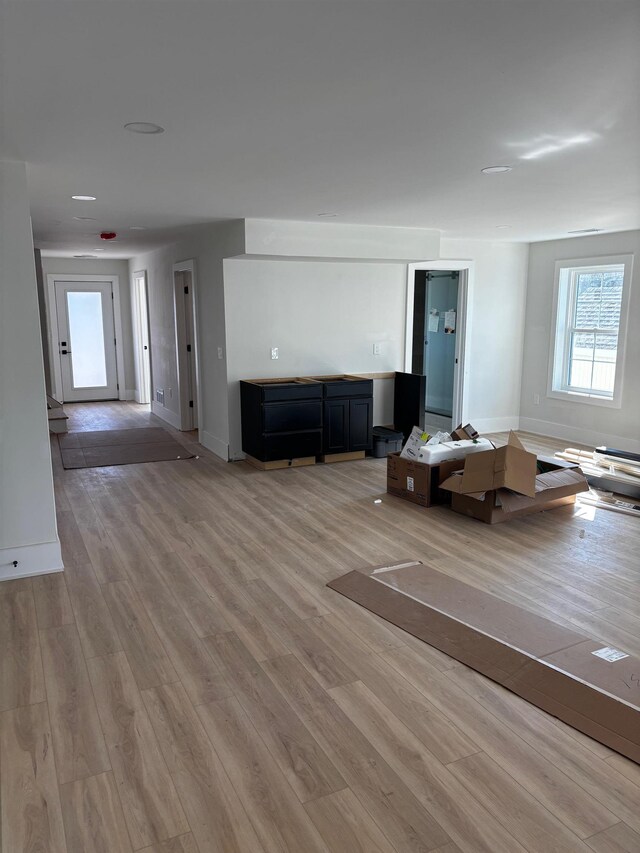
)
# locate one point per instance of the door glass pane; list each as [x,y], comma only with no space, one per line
[86,337]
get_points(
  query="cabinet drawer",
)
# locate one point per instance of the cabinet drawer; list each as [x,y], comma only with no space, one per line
[348,388]
[281,417]
[292,445]
[283,391]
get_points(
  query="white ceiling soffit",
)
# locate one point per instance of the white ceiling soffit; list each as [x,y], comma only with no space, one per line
[380,112]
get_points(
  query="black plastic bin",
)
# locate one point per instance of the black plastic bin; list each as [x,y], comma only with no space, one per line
[385,441]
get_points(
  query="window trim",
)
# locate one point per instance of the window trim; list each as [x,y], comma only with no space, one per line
[559,338]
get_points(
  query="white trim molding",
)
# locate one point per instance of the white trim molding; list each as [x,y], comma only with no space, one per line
[43,558]
[165,414]
[578,435]
[215,445]
[496,424]
[466,268]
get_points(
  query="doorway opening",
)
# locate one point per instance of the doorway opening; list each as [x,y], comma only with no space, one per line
[141,336]
[436,334]
[184,289]
[85,337]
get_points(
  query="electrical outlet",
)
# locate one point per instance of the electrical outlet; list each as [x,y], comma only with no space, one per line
[536,399]
[377,349]
[274,353]
[220,352]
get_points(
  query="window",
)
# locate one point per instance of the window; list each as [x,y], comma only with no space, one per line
[591,298]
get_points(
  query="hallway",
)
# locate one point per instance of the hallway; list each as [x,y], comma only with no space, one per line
[202,690]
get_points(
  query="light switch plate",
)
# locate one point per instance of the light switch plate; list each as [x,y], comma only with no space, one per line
[377,349]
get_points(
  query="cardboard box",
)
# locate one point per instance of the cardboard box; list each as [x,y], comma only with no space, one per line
[508,467]
[418,482]
[464,433]
[417,439]
[594,688]
[509,482]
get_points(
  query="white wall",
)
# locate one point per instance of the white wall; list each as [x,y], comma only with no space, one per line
[337,240]
[577,421]
[28,531]
[495,330]
[325,314]
[207,245]
[88,266]
[324,317]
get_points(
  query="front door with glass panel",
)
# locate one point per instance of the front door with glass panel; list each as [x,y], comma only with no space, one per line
[86,340]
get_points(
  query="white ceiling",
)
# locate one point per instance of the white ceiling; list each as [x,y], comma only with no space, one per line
[381,112]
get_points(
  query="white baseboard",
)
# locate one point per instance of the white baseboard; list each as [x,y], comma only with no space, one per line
[41,559]
[166,414]
[579,435]
[215,445]
[495,424]
[128,395]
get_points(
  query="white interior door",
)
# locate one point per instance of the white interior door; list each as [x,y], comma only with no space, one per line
[141,332]
[86,340]
[186,347]
[191,349]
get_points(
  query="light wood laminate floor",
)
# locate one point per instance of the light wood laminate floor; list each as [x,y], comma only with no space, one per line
[190,685]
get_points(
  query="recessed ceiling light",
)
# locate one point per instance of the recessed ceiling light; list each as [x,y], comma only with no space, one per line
[98,249]
[85,218]
[137,228]
[494,170]
[84,256]
[84,197]
[143,127]
[585,231]
[503,226]
[327,214]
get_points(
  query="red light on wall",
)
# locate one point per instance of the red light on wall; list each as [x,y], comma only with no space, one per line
[108,235]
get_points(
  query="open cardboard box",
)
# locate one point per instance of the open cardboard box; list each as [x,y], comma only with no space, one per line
[497,485]
[590,686]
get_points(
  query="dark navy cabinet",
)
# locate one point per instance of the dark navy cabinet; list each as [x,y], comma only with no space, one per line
[281,419]
[285,419]
[347,415]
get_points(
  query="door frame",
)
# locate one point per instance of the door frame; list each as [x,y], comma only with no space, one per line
[463,326]
[52,325]
[136,300]
[185,413]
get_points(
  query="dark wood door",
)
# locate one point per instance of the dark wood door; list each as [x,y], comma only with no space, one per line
[361,424]
[336,426]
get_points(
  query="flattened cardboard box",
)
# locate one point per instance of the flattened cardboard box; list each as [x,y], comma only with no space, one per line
[591,687]
[419,482]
